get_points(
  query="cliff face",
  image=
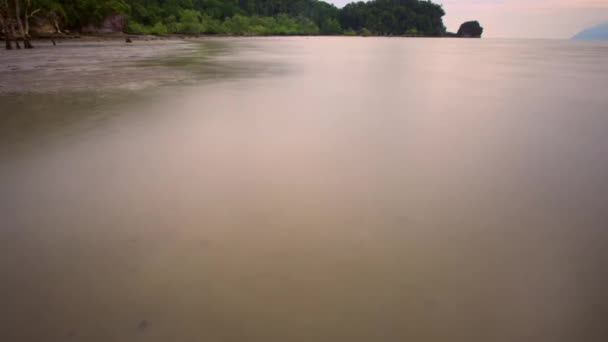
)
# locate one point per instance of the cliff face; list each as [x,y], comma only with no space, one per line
[599,32]
[41,27]
[116,23]
[112,24]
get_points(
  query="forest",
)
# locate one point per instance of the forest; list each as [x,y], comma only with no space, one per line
[233,17]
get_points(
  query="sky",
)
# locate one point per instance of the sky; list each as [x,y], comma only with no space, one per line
[523,18]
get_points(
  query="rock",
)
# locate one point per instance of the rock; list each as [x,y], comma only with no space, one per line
[128,40]
[41,26]
[115,23]
[470,29]
[143,325]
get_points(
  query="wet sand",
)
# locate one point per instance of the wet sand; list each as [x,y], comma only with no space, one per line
[304,189]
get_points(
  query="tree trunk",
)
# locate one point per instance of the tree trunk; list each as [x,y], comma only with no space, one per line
[13,34]
[29,14]
[7,38]
[56,24]
[26,41]
[4,11]
[52,17]
[26,18]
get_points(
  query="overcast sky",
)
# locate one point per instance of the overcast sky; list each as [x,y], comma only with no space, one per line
[523,18]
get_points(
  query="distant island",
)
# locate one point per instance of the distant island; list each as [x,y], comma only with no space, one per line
[22,19]
[598,32]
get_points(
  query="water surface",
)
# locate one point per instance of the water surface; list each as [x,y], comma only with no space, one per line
[305,189]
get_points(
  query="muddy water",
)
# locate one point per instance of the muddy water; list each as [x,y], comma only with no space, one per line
[305,189]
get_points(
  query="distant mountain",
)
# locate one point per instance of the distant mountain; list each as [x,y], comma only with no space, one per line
[599,32]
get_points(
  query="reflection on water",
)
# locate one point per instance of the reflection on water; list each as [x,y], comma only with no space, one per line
[312,189]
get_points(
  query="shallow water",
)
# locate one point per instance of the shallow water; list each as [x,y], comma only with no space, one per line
[305,189]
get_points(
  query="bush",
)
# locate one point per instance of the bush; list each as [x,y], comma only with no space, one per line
[193,22]
[237,25]
[350,32]
[134,27]
[284,25]
[306,26]
[331,26]
[171,24]
[189,22]
[212,25]
[159,29]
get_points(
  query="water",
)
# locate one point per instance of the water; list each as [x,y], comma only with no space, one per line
[305,189]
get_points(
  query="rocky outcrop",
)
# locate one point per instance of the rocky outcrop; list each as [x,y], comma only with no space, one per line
[470,29]
[112,24]
[41,27]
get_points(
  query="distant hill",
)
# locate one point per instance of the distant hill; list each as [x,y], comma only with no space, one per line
[599,32]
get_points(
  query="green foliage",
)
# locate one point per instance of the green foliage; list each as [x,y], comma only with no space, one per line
[212,25]
[237,25]
[79,13]
[255,17]
[113,7]
[365,32]
[50,10]
[412,31]
[394,17]
[331,26]
[306,26]
[190,22]
[159,29]
[137,28]
[349,32]
[284,25]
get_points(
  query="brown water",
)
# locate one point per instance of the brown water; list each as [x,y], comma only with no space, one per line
[305,189]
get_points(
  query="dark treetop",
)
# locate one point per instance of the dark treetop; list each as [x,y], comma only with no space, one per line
[255,17]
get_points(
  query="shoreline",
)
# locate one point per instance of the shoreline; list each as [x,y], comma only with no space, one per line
[142,37]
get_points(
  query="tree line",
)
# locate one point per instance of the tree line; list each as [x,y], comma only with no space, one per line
[241,17]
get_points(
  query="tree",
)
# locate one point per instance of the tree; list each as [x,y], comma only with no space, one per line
[331,26]
[242,17]
[10,14]
[394,17]
[24,37]
[28,14]
[5,22]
